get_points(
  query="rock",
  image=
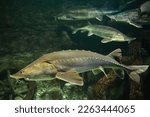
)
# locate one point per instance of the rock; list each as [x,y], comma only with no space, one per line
[72,92]
[54,93]
[18,98]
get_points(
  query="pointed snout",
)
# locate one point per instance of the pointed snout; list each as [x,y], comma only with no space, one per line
[16,76]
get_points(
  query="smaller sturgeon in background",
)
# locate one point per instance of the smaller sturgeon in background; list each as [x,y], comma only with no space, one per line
[84,13]
[145,8]
[131,4]
[108,34]
[66,66]
[127,17]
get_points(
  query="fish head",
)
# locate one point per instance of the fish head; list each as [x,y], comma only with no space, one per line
[31,71]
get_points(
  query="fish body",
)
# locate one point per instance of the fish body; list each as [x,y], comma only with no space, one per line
[127,17]
[108,34]
[66,65]
[80,14]
[84,13]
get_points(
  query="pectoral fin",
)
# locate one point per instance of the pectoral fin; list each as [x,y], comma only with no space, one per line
[70,76]
[106,40]
[99,19]
[90,34]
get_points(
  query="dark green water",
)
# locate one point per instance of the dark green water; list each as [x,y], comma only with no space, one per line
[28,30]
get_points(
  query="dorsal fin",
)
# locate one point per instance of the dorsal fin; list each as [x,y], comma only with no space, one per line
[116,53]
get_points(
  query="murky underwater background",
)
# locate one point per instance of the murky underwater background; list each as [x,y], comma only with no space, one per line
[29,29]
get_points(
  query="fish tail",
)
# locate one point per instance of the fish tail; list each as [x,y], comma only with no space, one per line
[75,31]
[79,29]
[130,40]
[136,70]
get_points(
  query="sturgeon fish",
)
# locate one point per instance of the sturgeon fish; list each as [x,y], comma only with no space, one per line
[127,17]
[66,66]
[84,13]
[108,33]
[80,14]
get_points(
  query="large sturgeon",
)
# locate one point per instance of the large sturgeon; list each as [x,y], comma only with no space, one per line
[66,65]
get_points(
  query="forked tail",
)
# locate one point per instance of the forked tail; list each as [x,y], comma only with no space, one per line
[136,70]
[131,39]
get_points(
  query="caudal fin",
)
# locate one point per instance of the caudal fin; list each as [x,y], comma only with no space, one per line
[136,70]
[75,31]
[131,39]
